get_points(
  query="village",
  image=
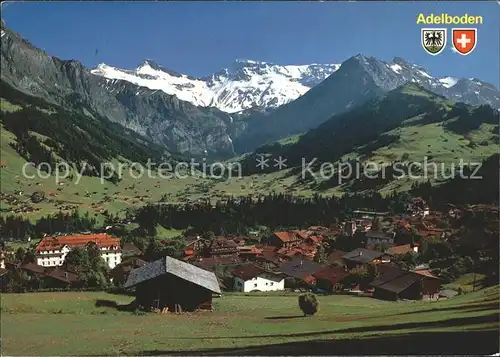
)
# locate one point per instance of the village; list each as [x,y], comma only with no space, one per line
[373,255]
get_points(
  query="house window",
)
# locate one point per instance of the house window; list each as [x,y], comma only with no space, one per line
[271,283]
[255,285]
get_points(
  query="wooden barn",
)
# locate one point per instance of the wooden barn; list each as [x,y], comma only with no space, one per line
[172,284]
[397,284]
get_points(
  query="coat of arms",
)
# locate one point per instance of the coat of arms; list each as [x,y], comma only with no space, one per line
[433,40]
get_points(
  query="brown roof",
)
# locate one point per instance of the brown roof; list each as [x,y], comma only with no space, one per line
[131,248]
[333,274]
[63,275]
[336,256]
[247,272]
[284,236]
[425,272]
[212,262]
[400,249]
[222,242]
[35,268]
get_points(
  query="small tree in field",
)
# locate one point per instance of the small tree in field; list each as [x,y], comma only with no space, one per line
[308,304]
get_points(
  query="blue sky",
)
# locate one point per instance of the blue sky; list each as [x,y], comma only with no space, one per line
[199,38]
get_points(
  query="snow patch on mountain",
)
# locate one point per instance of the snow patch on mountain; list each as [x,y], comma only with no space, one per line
[246,84]
[448,82]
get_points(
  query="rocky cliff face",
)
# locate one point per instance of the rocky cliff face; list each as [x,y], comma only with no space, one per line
[256,96]
[179,125]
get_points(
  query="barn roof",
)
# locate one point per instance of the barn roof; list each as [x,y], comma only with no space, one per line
[396,280]
[362,255]
[180,269]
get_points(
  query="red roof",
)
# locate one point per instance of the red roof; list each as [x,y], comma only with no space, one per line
[247,272]
[426,273]
[401,249]
[74,241]
[284,236]
[288,236]
[333,274]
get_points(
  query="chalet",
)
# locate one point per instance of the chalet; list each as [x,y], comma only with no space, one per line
[222,246]
[397,284]
[195,244]
[172,285]
[301,269]
[253,278]
[374,237]
[52,251]
[211,263]
[60,278]
[361,256]
[32,270]
[249,252]
[290,252]
[285,239]
[130,250]
[313,239]
[330,279]
[121,272]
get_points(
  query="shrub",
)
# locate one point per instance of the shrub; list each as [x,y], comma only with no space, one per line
[308,304]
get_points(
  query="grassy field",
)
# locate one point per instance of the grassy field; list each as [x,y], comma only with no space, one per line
[71,324]
[92,195]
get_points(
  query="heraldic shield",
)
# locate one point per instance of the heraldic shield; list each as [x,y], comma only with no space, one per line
[433,40]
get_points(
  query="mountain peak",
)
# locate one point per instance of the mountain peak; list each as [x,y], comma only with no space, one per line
[150,63]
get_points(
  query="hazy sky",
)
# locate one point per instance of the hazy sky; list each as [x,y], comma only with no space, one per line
[199,38]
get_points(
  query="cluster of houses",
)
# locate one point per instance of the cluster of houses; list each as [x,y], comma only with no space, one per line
[51,252]
[283,260]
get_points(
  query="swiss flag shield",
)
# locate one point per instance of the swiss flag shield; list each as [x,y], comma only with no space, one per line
[464,40]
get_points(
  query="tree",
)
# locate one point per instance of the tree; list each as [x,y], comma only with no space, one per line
[320,256]
[210,236]
[29,257]
[309,304]
[20,254]
[78,257]
[37,196]
[154,250]
[376,224]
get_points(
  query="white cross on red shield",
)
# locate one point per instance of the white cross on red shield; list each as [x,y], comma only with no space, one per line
[464,40]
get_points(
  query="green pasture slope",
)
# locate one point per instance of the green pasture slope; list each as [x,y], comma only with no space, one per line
[69,323]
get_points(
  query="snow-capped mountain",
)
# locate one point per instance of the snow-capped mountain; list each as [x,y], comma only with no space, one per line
[245,84]
[467,90]
[358,80]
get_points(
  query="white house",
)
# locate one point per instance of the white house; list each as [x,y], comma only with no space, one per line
[253,278]
[52,251]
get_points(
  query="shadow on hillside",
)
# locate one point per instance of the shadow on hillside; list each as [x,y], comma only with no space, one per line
[284,317]
[417,343]
[467,308]
[113,304]
[465,321]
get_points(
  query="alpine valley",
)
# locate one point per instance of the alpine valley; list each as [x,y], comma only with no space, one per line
[364,108]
